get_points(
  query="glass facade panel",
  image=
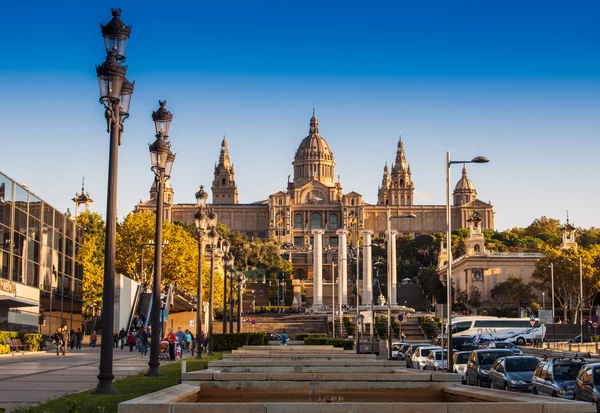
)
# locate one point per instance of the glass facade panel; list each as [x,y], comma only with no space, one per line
[37,248]
[5,189]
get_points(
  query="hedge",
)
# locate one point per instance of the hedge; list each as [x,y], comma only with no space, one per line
[33,341]
[302,336]
[228,342]
[326,341]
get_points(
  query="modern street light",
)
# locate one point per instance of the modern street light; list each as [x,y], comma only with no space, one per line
[203,219]
[544,300]
[449,163]
[162,162]
[581,300]
[391,250]
[115,95]
[213,239]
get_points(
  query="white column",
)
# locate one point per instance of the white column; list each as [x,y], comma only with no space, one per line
[367,268]
[343,265]
[317,268]
[394,277]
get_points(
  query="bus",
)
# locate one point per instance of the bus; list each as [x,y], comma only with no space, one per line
[486,328]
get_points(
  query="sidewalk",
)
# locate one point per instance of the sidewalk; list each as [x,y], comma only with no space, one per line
[30,379]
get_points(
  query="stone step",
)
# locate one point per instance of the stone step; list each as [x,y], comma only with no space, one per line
[305,363]
[312,369]
[297,357]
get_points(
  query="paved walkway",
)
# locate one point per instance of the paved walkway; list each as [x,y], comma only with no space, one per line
[33,378]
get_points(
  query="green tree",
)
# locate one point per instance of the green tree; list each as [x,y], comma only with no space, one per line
[513,290]
[91,256]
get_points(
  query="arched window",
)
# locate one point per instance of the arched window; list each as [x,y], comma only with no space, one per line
[402,183]
[333,221]
[476,249]
[352,201]
[223,182]
[316,220]
[298,221]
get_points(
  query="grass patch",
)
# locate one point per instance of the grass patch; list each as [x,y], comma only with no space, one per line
[127,388]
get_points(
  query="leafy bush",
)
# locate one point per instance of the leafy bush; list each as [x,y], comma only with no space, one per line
[302,336]
[325,341]
[34,342]
[228,342]
[4,349]
[275,308]
[348,326]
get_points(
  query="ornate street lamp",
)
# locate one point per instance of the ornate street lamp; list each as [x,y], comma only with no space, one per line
[213,239]
[115,95]
[162,162]
[202,222]
[240,280]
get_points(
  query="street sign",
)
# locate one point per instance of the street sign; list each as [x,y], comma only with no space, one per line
[400,317]
[595,318]
[253,322]
[531,323]
[595,324]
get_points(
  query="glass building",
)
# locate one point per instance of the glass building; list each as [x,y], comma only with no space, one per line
[40,278]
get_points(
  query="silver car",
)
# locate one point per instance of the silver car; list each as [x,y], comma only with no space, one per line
[513,373]
[506,345]
[556,378]
[437,360]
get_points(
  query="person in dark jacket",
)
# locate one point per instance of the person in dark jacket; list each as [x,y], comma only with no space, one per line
[131,341]
[122,337]
[65,335]
[79,338]
[57,338]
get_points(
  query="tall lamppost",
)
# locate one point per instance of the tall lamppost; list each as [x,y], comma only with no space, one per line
[240,280]
[162,161]
[115,95]
[227,263]
[231,277]
[213,239]
[203,219]
[581,300]
[390,265]
[449,163]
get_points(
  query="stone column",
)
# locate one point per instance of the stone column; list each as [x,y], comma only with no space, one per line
[317,269]
[343,264]
[393,267]
[367,298]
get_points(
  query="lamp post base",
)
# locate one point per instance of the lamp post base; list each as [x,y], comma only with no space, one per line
[105,384]
[153,370]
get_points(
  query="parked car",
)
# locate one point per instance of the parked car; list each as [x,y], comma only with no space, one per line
[577,339]
[420,355]
[461,343]
[506,345]
[274,336]
[556,377]
[398,350]
[587,384]
[513,373]
[479,364]
[410,351]
[437,360]
[459,365]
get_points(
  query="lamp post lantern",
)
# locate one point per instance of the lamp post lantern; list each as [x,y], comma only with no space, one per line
[115,95]
[448,164]
[213,239]
[201,219]
[162,162]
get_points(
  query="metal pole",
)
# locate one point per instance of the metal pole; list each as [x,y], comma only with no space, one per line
[105,378]
[356,286]
[231,302]
[553,315]
[389,269]
[211,299]
[142,264]
[332,299]
[449,264]
[581,300]
[240,304]
[200,301]
[154,363]
[225,270]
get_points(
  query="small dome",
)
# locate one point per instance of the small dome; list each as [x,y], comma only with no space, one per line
[464,184]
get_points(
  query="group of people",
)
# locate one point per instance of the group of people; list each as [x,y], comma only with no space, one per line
[186,341]
[138,338]
[63,337]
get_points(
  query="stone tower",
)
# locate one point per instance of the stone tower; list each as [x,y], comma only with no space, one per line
[168,192]
[568,236]
[224,190]
[400,191]
[464,191]
[82,199]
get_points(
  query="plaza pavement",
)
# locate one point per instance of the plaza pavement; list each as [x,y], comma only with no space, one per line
[32,378]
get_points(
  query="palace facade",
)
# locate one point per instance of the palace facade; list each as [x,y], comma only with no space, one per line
[315,199]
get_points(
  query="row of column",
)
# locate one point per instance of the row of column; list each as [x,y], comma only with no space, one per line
[367,295]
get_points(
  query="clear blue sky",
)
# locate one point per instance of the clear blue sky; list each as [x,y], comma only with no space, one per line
[518,82]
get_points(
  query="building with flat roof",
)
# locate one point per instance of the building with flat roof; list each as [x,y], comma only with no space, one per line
[40,277]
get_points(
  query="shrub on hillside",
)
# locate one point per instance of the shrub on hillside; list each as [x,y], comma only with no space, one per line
[325,341]
[228,342]
[302,336]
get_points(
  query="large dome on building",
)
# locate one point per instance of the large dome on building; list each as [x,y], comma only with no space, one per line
[464,184]
[314,146]
[314,158]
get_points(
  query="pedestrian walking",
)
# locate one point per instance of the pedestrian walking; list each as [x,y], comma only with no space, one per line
[131,341]
[187,340]
[72,339]
[57,339]
[284,339]
[79,338]
[65,339]
[115,339]
[122,337]
[144,342]
[172,339]
[93,338]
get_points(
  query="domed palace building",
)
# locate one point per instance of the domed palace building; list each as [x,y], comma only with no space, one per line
[315,200]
